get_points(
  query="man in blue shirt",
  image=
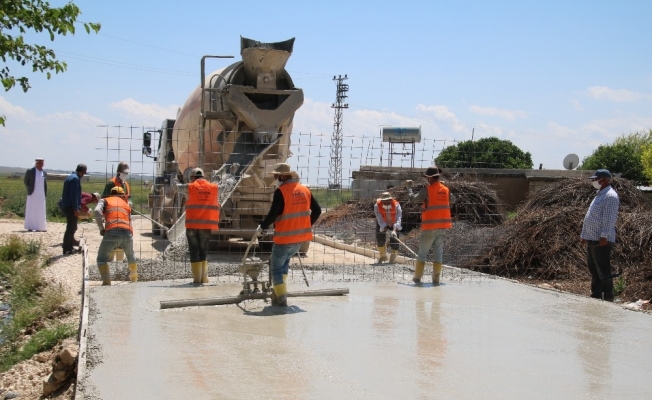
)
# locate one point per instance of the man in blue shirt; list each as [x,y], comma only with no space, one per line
[71,205]
[599,235]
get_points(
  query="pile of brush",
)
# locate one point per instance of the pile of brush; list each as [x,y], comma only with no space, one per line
[542,241]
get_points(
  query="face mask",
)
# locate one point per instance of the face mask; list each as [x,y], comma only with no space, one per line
[123,176]
[596,184]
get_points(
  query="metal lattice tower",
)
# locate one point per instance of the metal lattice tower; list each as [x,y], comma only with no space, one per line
[335,170]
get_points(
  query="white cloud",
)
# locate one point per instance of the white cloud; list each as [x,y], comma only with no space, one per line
[147,114]
[557,129]
[443,115]
[509,115]
[617,95]
[576,105]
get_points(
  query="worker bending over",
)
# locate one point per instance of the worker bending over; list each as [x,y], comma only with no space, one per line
[202,216]
[119,180]
[388,218]
[293,212]
[435,221]
[113,217]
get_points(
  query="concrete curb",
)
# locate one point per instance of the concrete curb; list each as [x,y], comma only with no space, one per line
[82,335]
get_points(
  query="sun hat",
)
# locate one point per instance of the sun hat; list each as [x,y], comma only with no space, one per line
[432,172]
[282,169]
[385,196]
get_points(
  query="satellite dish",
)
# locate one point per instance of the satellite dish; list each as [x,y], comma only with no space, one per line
[571,161]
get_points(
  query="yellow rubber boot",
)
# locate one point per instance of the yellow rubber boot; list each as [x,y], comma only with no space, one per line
[133,272]
[392,257]
[119,254]
[204,271]
[436,273]
[418,271]
[196,268]
[383,254]
[280,295]
[105,273]
[285,278]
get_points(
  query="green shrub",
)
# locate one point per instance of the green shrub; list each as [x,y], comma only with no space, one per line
[13,249]
[41,341]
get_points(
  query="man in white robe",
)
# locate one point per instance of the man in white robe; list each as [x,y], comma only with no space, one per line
[37,190]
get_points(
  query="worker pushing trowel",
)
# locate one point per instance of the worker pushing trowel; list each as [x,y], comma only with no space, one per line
[293,212]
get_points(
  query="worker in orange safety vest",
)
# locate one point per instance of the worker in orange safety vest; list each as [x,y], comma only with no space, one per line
[435,221]
[293,212]
[113,217]
[388,219]
[202,217]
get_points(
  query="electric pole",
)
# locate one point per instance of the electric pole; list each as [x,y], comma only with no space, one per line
[335,170]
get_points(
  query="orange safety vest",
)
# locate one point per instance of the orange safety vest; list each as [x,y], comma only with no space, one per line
[436,213]
[293,226]
[117,214]
[202,207]
[126,186]
[392,212]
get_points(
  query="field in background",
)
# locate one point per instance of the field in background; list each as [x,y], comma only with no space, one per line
[13,195]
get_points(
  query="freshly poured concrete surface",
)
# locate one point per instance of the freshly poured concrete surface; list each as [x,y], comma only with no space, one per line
[487,339]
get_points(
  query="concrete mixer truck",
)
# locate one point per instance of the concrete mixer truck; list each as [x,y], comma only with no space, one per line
[235,125]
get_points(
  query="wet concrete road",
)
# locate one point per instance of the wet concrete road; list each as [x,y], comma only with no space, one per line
[486,339]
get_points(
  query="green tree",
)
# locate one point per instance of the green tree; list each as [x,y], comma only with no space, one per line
[623,156]
[18,17]
[488,152]
[646,160]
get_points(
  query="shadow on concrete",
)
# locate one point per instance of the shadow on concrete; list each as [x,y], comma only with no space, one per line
[271,310]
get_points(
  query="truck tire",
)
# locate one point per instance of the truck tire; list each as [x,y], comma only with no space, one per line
[156,230]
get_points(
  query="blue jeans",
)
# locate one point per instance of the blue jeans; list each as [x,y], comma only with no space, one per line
[280,260]
[427,240]
[116,238]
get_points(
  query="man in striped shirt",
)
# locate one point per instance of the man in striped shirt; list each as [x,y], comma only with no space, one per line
[599,235]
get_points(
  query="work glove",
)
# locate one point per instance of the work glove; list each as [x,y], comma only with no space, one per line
[393,234]
[408,184]
[259,231]
[102,232]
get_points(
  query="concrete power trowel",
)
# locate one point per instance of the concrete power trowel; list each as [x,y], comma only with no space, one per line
[252,289]
[251,267]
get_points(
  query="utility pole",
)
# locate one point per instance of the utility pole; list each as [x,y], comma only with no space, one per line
[335,170]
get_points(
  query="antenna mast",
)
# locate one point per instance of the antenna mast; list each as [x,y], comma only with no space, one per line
[335,170]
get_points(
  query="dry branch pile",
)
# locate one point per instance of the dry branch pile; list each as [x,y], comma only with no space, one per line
[543,242]
[475,203]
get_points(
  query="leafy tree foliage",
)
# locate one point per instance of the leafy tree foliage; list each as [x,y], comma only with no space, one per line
[488,152]
[622,156]
[646,160]
[18,17]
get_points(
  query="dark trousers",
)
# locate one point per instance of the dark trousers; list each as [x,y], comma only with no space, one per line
[71,228]
[198,242]
[381,238]
[599,263]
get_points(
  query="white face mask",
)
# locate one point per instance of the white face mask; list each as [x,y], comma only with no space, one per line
[596,184]
[123,176]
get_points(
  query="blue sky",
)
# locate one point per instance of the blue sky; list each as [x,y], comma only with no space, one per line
[554,77]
